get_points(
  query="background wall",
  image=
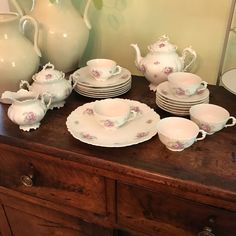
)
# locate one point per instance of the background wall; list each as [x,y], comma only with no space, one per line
[119,23]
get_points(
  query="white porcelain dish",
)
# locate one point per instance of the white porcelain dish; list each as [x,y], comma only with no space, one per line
[82,125]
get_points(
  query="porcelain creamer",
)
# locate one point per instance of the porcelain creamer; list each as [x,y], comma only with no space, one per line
[63,32]
[27,109]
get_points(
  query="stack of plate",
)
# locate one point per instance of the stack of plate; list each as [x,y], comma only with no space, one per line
[178,106]
[87,86]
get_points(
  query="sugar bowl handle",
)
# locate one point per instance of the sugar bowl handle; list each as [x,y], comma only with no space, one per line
[28,178]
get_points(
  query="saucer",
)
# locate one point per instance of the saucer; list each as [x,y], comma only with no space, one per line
[82,125]
[82,77]
[164,91]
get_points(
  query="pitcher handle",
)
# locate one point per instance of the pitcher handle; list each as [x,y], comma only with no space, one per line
[36,31]
[17,7]
[85,16]
[185,53]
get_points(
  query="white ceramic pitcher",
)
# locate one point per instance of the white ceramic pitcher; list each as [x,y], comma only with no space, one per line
[19,57]
[63,32]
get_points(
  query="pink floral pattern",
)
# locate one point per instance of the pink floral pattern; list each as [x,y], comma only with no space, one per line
[164,92]
[48,76]
[156,63]
[141,135]
[108,123]
[143,68]
[30,117]
[167,70]
[87,136]
[124,76]
[95,73]
[176,145]
[136,109]
[179,91]
[161,45]
[205,127]
[88,111]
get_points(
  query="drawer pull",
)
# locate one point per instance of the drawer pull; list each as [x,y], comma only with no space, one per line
[28,179]
[207,231]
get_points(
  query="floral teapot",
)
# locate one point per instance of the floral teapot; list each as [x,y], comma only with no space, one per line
[162,60]
[52,82]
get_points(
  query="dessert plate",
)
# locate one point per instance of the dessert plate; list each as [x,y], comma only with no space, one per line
[103,95]
[83,126]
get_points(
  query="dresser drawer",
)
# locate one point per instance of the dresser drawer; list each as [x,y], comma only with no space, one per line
[160,213]
[58,181]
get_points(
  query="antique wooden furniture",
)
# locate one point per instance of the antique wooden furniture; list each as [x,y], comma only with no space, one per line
[53,184]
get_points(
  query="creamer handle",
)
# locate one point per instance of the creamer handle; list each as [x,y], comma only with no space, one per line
[36,31]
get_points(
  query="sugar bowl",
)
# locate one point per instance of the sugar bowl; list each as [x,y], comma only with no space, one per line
[52,82]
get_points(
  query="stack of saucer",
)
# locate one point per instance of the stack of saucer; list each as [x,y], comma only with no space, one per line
[87,86]
[175,105]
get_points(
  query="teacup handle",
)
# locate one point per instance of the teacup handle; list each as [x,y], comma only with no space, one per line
[233,121]
[203,133]
[132,116]
[118,70]
[203,87]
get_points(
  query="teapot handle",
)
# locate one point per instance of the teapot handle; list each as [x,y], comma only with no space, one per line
[188,51]
[36,31]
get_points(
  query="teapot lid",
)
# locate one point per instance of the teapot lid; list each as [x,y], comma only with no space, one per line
[162,45]
[48,74]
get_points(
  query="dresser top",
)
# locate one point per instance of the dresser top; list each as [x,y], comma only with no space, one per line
[209,164]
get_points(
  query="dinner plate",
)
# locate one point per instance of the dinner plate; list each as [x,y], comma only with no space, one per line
[83,126]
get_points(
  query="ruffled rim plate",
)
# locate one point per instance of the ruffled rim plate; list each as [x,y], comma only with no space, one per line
[83,126]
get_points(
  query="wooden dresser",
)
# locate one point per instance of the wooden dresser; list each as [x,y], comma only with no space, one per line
[53,184]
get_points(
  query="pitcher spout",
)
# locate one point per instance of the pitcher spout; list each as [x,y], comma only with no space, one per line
[138,54]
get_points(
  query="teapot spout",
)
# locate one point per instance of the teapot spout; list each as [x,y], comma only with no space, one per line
[138,55]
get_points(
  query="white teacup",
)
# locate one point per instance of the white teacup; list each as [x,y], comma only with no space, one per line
[210,117]
[178,133]
[103,69]
[185,84]
[113,113]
